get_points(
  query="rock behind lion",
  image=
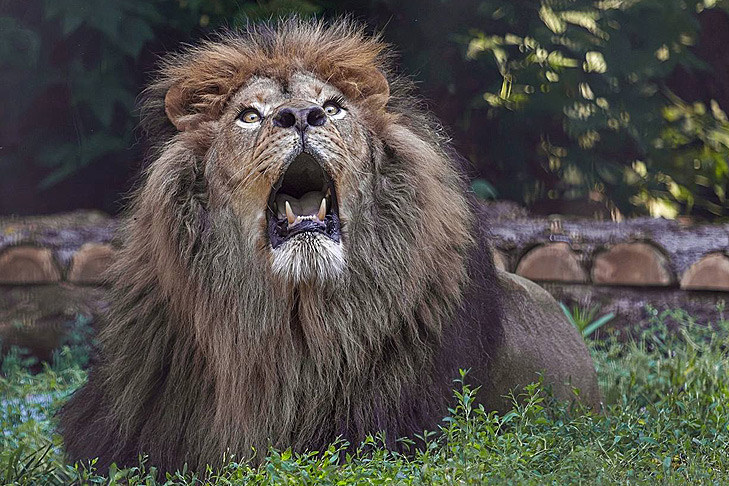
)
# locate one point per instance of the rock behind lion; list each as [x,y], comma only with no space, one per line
[231,329]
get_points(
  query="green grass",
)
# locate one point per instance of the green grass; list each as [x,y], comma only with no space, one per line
[666,422]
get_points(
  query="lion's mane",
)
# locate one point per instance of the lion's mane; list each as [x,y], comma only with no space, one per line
[203,352]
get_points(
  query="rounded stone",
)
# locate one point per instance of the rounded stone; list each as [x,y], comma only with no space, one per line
[553,262]
[709,273]
[28,264]
[90,262]
[638,264]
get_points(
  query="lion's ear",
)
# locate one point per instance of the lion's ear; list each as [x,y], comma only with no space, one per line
[369,85]
[177,108]
[379,90]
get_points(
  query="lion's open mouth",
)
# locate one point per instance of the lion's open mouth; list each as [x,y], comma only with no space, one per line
[303,200]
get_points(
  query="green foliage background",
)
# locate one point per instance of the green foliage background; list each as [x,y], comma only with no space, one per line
[548,99]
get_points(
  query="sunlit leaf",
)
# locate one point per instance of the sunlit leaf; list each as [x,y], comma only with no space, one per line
[594,62]
[552,20]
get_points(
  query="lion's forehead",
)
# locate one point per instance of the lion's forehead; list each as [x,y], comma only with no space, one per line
[266,93]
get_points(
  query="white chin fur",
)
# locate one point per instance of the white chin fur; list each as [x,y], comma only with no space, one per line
[309,257]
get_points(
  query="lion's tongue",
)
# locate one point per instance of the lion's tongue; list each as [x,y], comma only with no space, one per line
[312,205]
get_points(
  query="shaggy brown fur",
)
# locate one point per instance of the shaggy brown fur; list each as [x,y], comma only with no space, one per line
[205,350]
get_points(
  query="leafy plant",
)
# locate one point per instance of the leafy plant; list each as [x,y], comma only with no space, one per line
[584,86]
[80,99]
[585,319]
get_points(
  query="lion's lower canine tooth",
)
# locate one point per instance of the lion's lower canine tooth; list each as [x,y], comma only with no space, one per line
[290,214]
[322,209]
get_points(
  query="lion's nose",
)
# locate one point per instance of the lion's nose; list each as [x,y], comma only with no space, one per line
[300,118]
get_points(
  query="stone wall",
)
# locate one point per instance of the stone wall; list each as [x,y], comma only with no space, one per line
[627,267]
[50,274]
[639,252]
[51,268]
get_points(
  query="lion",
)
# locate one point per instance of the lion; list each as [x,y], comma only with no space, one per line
[302,262]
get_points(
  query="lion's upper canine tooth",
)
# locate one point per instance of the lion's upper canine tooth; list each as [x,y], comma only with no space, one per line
[322,209]
[290,214]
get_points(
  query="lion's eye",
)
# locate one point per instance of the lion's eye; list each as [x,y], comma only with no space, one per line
[250,115]
[332,108]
